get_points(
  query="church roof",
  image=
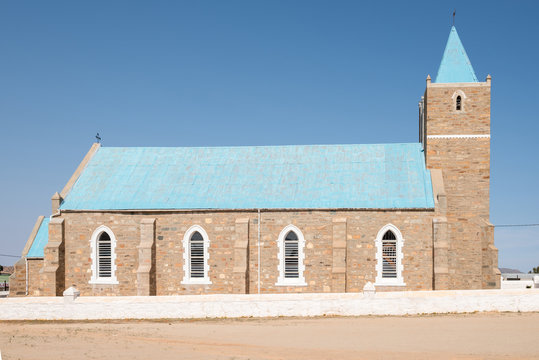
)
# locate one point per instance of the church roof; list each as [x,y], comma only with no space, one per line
[268,177]
[41,239]
[455,66]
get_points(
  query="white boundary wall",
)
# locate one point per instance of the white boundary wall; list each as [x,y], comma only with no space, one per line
[521,284]
[271,305]
[531,280]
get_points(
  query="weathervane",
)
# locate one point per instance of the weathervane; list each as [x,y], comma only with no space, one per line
[454,13]
[98,138]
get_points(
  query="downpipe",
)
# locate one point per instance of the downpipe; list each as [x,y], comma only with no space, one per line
[27,278]
[258,245]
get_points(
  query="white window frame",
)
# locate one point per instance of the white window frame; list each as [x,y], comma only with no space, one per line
[462,98]
[399,280]
[112,280]
[300,280]
[187,279]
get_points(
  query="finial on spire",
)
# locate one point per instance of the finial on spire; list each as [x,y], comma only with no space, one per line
[454,13]
[98,138]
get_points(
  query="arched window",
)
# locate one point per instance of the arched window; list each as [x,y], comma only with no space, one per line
[103,247]
[459,103]
[459,98]
[291,244]
[389,256]
[195,256]
[291,256]
[104,256]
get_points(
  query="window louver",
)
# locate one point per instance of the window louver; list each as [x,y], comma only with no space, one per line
[196,253]
[389,255]
[291,256]
[104,256]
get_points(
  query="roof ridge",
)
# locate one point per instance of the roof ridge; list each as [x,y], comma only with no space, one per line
[253,146]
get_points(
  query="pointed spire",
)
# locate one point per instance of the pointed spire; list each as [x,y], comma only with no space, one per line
[455,65]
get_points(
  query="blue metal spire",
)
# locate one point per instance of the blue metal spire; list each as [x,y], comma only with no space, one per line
[455,66]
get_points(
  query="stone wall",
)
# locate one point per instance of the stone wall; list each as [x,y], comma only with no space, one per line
[444,119]
[17,281]
[340,252]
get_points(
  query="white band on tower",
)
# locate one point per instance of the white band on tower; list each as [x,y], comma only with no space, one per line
[459,136]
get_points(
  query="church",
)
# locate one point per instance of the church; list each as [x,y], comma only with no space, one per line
[281,219]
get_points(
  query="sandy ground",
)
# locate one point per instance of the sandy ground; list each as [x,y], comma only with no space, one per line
[475,336]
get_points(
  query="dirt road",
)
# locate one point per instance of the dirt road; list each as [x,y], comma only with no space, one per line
[477,336]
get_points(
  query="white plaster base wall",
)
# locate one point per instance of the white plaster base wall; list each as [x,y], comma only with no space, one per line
[233,306]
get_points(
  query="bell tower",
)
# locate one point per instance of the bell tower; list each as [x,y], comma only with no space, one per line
[455,133]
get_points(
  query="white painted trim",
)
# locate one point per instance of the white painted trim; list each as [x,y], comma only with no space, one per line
[281,280]
[380,281]
[95,280]
[187,280]
[457,93]
[459,136]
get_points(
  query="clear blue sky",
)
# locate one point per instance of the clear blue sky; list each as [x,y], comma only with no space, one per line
[202,73]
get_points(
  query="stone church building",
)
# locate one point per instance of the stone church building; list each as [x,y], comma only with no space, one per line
[281,219]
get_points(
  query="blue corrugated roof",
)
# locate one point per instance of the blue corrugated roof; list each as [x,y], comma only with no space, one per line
[41,239]
[250,177]
[455,66]
[302,176]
